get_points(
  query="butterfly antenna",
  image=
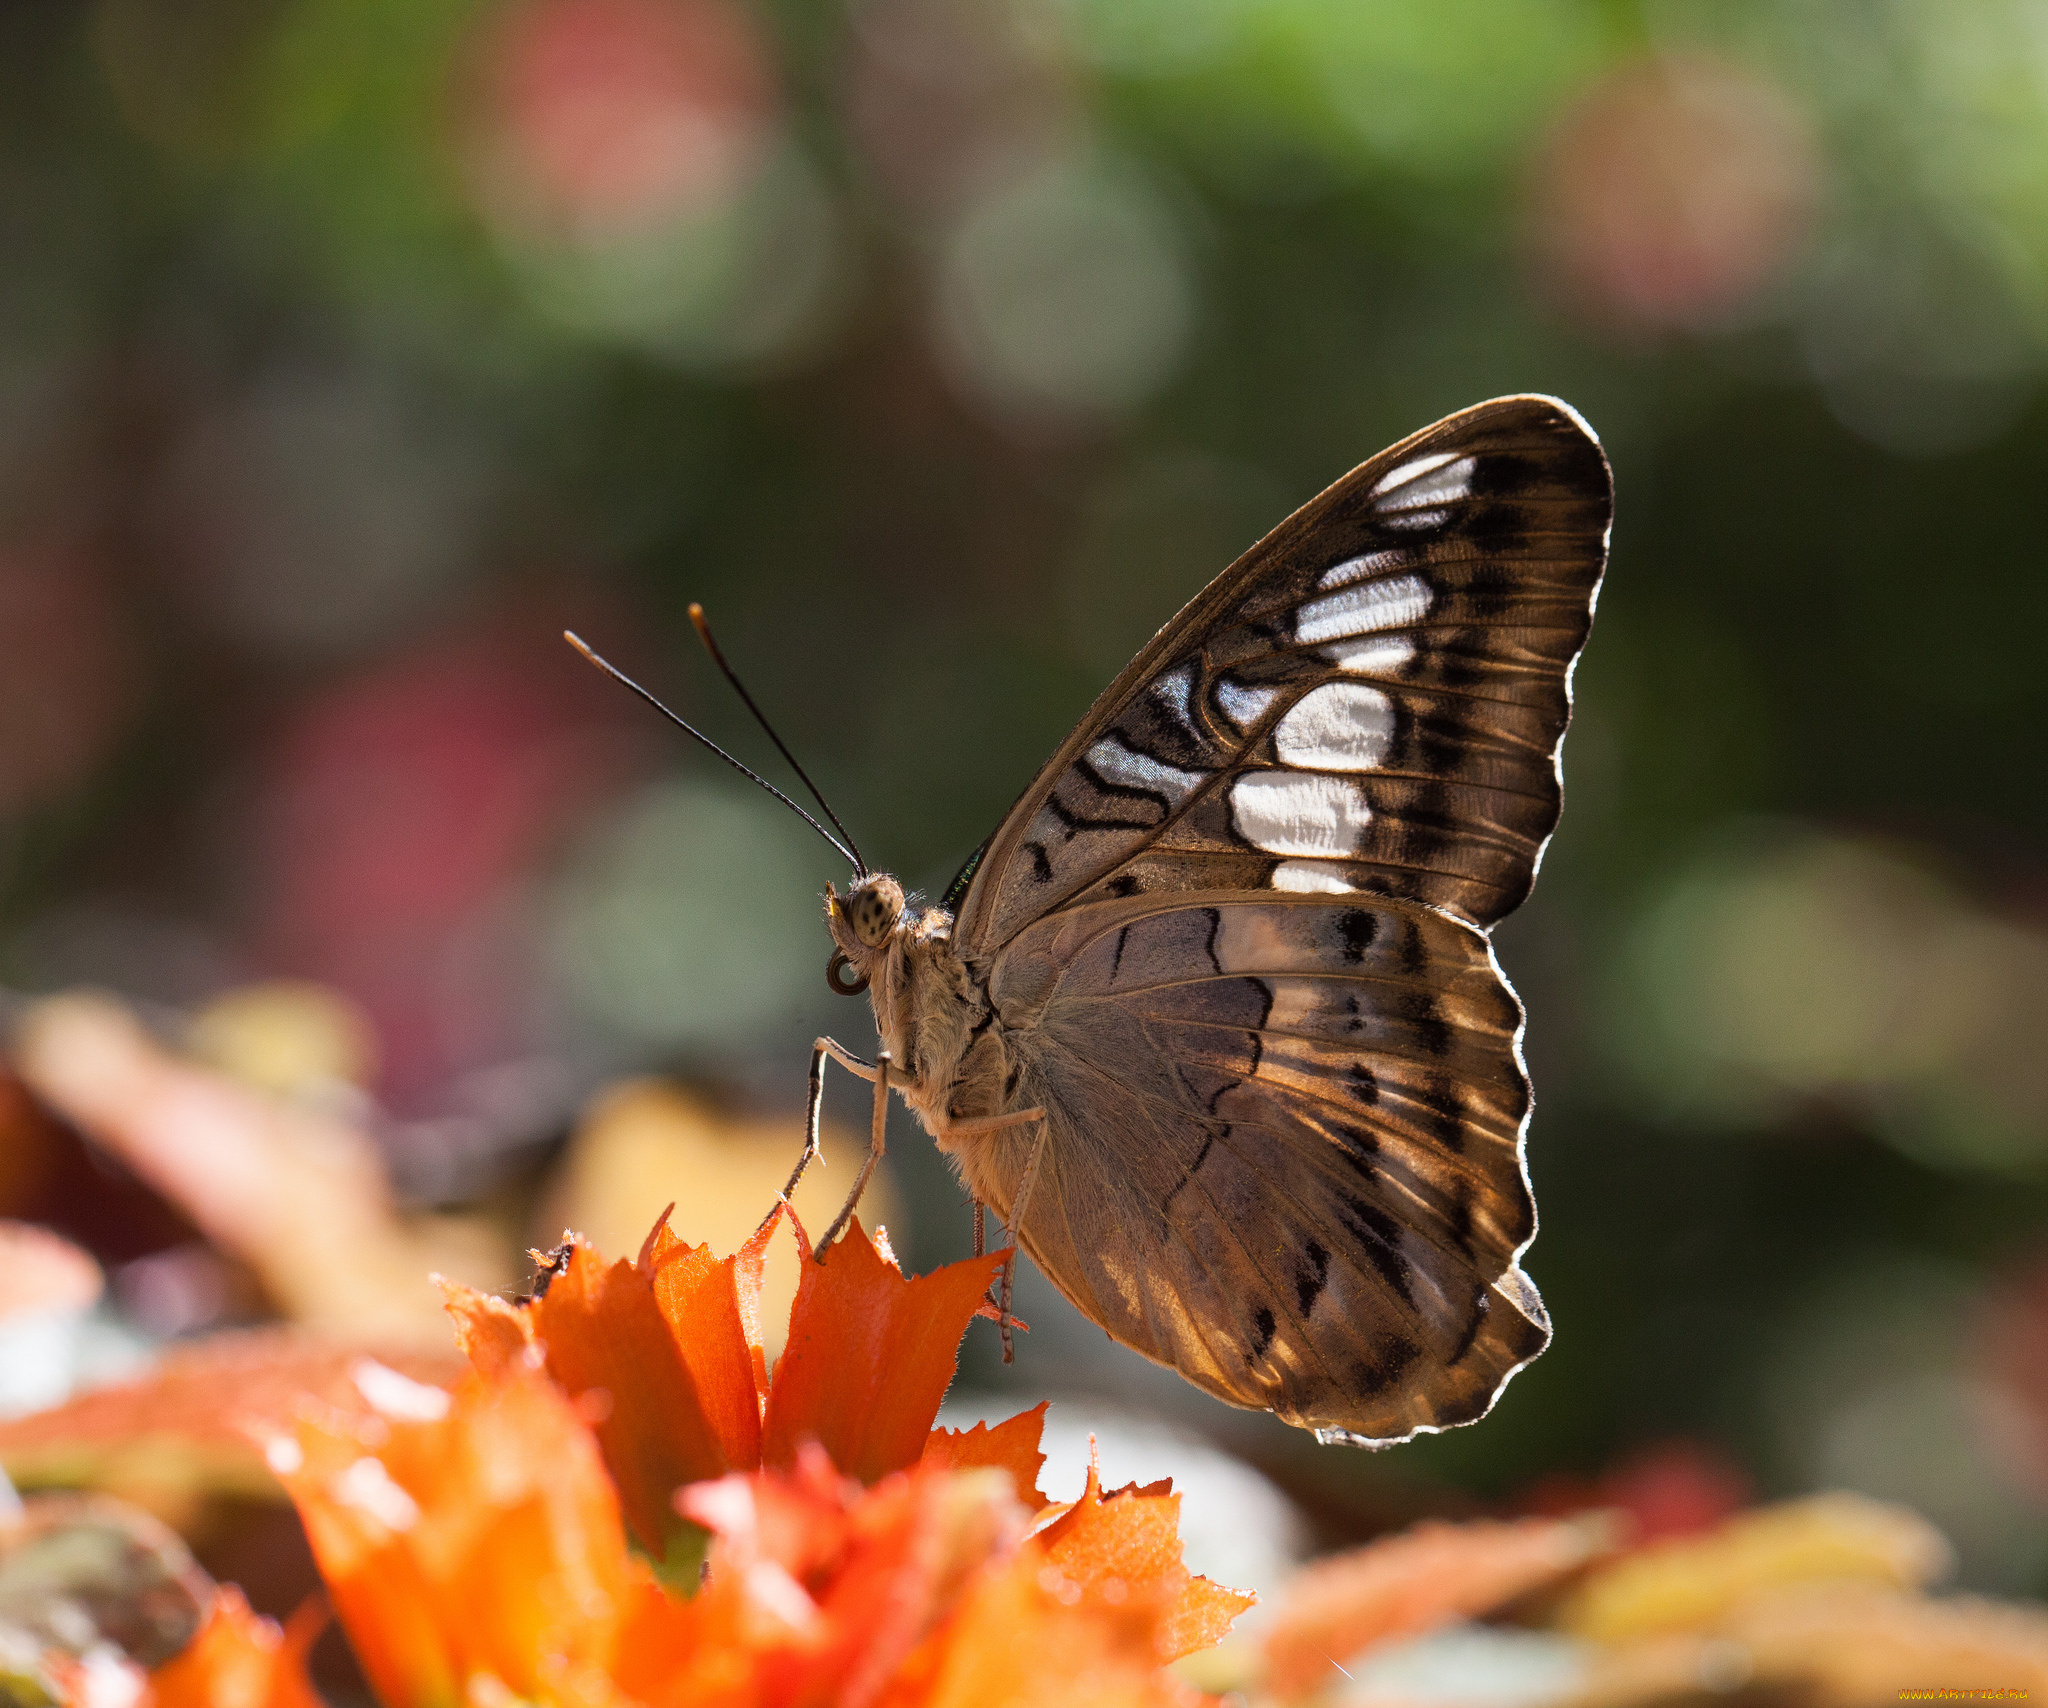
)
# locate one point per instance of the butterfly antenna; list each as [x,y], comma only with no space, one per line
[618,675]
[703,628]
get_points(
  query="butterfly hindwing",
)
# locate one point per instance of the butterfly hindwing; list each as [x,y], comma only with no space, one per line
[1286,1137]
[1371,699]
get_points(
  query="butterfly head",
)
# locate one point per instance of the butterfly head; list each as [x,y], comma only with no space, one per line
[862,922]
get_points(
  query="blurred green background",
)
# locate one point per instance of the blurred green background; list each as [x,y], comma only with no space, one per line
[350,349]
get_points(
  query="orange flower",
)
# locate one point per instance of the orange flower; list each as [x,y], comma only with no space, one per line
[474,1541]
[669,1348]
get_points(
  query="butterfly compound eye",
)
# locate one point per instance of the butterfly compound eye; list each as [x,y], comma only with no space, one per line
[873,910]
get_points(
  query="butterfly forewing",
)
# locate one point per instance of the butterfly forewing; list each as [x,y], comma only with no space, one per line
[1235,931]
[1370,699]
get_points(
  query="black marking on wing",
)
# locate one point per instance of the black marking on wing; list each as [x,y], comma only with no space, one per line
[1201,1156]
[1263,1325]
[1156,798]
[1312,1277]
[1380,1236]
[1357,926]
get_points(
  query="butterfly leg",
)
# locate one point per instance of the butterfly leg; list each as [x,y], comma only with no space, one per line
[876,1139]
[971,1126]
[1016,1221]
[814,1108]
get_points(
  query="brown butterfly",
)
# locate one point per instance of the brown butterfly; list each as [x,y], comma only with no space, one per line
[1212,1020]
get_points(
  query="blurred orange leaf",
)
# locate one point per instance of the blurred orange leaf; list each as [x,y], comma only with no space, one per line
[1010,1446]
[242,1660]
[1402,1585]
[194,1406]
[869,1357]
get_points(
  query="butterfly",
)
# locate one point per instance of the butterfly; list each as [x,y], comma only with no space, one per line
[1212,1020]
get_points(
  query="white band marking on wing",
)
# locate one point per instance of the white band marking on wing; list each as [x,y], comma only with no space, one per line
[1113,762]
[1177,689]
[1241,704]
[1391,604]
[1341,726]
[1379,656]
[1441,479]
[1358,568]
[1308,877]
[1286,812]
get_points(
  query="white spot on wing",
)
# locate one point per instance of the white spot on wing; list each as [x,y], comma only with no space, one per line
[1241,704]
[1177,689]
[1287,812]
[1341,726]
[1374,657]
[1390,604]
[1308,877]
[1441,479]
[1358,568]
[1113,762]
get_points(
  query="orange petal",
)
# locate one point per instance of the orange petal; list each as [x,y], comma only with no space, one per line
[1011,1446]
[822,1588]
[479,1545]
[869,1357]
[672,1340]
[242,1660]
[746,1277]
[712,1306]
[602,1327]
[1414,1582]
[490,1332]
[1127,1544]
[682,1654]
[1025,1639]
